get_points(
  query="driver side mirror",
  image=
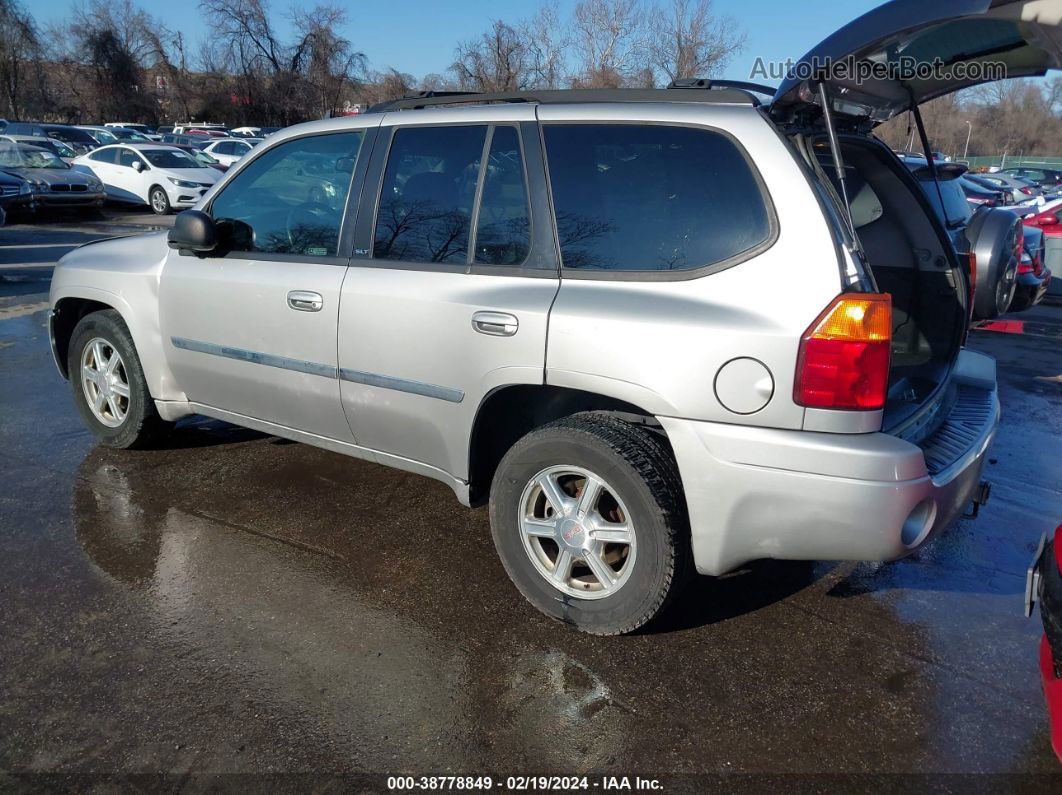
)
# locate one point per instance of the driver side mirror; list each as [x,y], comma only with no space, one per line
[193,230]
[138,165]
[1048,220]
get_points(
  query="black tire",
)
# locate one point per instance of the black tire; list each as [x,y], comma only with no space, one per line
[1051,604]
[142,426]
[158,201]
[639,467]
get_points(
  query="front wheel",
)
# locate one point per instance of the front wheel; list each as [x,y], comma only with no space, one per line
[589,519]
[159,201]
[108,383]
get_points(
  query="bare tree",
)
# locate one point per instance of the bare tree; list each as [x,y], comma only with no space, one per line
[497,61]
[608,40]
[547,45]
[329,65]
[385,86]
[276,81]
[687,39]
[20,50]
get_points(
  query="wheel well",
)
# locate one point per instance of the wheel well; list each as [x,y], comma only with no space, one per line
[509,413]
[67,314]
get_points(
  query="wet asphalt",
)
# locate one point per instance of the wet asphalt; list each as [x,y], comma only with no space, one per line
[236,603]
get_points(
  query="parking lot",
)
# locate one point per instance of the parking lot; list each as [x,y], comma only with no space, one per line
[241,603]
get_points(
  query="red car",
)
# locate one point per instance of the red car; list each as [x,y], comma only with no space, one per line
[1043,583]
[1050,221]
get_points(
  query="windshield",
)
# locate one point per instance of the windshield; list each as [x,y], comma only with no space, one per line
[204,157]
[29,157]
[169,158]
[105,137]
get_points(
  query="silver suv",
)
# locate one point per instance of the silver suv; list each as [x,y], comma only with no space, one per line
[650,328]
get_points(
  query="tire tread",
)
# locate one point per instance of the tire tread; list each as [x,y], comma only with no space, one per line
[651,459]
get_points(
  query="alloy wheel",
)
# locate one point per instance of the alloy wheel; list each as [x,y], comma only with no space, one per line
[105,382]
[577,532]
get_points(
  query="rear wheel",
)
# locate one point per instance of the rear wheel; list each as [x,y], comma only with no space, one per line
[589,519]
[159,201]
[108,383]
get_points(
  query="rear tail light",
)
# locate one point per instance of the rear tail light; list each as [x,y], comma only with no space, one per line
[844,355]
[1027,190]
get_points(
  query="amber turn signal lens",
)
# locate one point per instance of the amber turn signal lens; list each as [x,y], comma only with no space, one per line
[861,318]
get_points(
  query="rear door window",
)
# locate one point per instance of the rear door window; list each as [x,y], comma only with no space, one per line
[429,189]
[632,197]
[503,229]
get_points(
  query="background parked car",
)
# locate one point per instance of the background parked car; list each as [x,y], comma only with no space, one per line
[163,177]
[1021,190]
[229,150]
[254,132]
[56,147]
[201,156]
[990,235]
[1006,197]
[78,140]
[1033,276]
[143,129]
[198,141]
[1047,218]
[15,193]
[980,196]
[113,135]
[1044,177]
[54,182]
[1044,584]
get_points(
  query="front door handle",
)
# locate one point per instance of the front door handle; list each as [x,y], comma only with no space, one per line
[305,301]
[497,324]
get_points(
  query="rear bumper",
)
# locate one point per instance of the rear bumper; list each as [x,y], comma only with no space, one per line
[768,493]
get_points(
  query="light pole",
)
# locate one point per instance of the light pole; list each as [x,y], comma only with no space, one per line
[969,124]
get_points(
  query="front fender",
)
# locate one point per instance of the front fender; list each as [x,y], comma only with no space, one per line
[123,274]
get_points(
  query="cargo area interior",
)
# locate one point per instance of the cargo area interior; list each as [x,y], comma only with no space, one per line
[908,261]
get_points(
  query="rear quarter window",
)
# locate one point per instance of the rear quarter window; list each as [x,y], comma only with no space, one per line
[636,197]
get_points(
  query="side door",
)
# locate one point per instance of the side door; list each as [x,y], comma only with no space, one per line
[451,283]
[129,183]
[251,330]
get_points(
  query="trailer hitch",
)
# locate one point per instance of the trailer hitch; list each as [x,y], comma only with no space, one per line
[980,497]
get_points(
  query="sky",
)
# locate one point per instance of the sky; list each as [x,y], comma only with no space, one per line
[418,36]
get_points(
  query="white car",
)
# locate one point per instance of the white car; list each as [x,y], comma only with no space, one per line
[163,177]
[228,150]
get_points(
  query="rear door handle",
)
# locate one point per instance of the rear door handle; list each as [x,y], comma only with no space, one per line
[497,324]
[305,301]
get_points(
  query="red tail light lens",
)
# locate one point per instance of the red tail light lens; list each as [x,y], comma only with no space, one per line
[1027,190]
[844,355]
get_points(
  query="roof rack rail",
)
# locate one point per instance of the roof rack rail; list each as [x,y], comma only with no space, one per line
[719,93]
[740,85]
